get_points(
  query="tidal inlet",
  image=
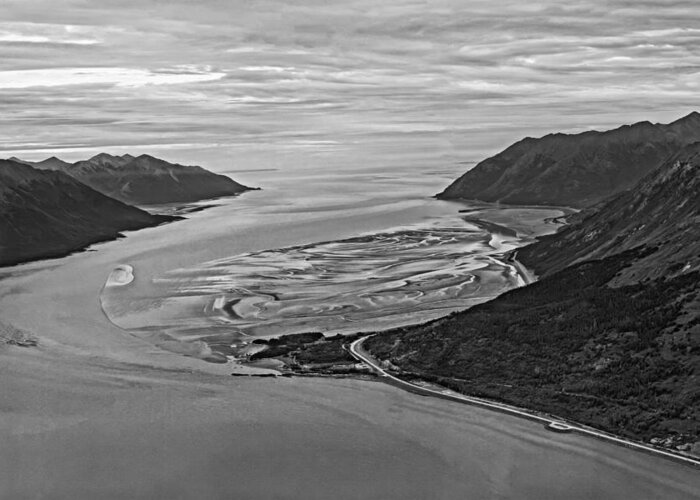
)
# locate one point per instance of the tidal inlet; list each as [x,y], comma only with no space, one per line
[365,283]
[353,250]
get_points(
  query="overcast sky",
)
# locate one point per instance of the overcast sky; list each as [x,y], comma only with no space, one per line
[234,84]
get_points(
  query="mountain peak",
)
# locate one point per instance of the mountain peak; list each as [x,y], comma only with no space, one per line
[48,213]
[693,117]
[148,161]
[106,160]
[658,212]
[146,179]
[18,160]
[51,163]
[575,170]
[147,157]
[54,160]
[102,156]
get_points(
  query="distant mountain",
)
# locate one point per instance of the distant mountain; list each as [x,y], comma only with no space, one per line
[51,163]
[101,160]
[661,212]
[18,160]
[145,179]
[574,170]
[610,336]
[50,214]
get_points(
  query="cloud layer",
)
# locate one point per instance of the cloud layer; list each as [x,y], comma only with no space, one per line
[252,84]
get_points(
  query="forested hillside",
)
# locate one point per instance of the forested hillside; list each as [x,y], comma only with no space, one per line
[625,359]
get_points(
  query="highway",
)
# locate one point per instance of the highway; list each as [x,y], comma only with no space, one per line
[360,354]
[525,274]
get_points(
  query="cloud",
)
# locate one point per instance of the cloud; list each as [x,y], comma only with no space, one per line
[31,33]
[462,78]
[123,77]
[19,38]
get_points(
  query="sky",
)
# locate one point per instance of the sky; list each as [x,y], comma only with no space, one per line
[342,84]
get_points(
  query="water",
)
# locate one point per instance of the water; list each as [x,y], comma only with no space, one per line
[94,398]
[353,251]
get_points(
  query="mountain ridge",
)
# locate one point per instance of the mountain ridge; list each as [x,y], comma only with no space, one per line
[610,334]
[577,170]
[663,207]
[145,179]
[47,213]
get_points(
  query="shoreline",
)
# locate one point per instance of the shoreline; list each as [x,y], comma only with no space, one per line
[91,397]
[126,276]
[85,247]
[173,212]
[564,208]
[154,419]
[527,275]
[243,308]
[355,349]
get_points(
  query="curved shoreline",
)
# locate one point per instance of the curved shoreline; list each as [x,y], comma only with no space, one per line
[527,276]
[552,423]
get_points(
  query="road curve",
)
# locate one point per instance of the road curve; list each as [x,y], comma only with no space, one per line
[358,353]
[527,275]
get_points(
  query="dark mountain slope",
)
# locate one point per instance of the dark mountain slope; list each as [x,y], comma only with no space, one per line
[613,341]
[147,180]
[48,214]
[625,359]
[662,211]
[574,170]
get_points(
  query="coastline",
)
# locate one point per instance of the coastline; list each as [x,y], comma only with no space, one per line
[85,247]
[146,432]
[551,419]
[566,209]
[355,349]
[168,214]
[92,397]
[553,423]
[526,275]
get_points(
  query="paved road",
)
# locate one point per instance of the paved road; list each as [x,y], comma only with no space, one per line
[557,425]
[525,274]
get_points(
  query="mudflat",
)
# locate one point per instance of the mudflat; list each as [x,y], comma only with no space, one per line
[93,411]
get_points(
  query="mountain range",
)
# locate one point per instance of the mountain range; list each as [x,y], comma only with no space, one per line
[610,334]
[51,207]
[144,180]
[576,170]
[662,212]
[47,213]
